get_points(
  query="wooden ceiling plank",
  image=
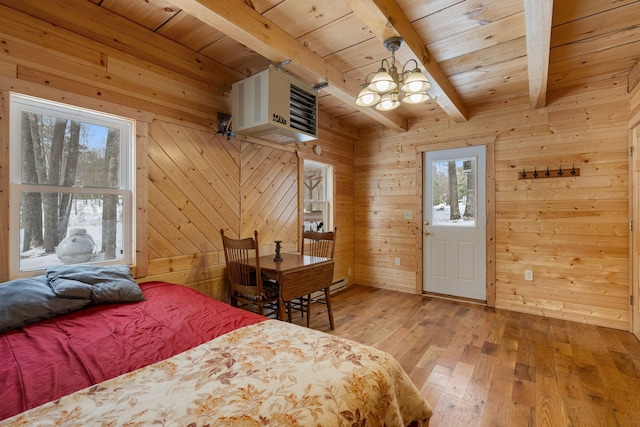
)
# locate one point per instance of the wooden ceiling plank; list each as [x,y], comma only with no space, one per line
[385,19]
[115,32]
[481,58]
[336,36]
[359,59]
[492,34]
[566,11]
[603,65]
[418,9]
[151,14]
[244,24]
[501,70]
[237,56]
[188,31]
[299,18]
[537,16]
[469,16]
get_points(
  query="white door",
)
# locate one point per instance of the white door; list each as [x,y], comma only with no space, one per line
[454,232]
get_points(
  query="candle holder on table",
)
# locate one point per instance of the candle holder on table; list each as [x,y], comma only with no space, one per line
[278,257]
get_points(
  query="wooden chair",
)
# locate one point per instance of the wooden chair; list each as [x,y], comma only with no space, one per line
[247,286]
[320,244]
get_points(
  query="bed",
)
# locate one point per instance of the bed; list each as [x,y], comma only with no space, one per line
[172,356]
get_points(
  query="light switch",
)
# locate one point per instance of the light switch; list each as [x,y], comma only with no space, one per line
[528,275]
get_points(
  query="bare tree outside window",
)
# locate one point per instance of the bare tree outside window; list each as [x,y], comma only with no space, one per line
[454,212]
[32,205]
[454,190]
[110,207]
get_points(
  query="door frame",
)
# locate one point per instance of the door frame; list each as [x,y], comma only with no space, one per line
[455,239]
[634,227]
[490,191]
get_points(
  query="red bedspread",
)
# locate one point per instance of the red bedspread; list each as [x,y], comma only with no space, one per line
[47,360]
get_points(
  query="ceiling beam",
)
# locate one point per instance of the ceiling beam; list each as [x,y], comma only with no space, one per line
[245,25]
[537,17]
[385,19]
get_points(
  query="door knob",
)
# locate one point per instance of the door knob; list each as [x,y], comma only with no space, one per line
[427,232]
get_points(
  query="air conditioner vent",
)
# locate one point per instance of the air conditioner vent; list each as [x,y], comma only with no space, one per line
[273,106]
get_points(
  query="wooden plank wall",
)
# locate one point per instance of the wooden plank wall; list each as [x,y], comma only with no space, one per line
[198,182]
[572,232]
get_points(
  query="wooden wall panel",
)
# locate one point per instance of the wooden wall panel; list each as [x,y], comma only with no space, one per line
[196,181]
[269,196]
[184,193]
[338,149]
[572,232]
[193,192]
[269,192]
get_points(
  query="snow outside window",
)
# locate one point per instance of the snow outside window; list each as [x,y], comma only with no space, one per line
[71,186]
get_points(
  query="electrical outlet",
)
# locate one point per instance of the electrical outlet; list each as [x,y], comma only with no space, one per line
[408,214]
[528,275]
[397,262]
[349,272]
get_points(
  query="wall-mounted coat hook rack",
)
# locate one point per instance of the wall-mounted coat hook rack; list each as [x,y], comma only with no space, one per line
[558,173]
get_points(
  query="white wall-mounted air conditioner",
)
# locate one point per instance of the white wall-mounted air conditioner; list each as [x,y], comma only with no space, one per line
[273,106]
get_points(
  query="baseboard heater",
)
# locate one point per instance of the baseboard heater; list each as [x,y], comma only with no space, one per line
[336,286]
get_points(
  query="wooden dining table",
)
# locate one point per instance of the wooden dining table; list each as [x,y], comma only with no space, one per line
[298,276]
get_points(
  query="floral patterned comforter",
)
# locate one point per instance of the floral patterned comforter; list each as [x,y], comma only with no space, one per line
[268,374]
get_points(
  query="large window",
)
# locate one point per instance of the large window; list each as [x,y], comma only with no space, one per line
[318,196]
[71,186]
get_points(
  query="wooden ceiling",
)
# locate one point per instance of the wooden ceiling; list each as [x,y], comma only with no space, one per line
[476,53]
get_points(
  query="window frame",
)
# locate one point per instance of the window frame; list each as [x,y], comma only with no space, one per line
[127,172]
[328,191]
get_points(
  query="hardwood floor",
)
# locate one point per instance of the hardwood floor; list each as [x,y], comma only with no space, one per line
[479,366]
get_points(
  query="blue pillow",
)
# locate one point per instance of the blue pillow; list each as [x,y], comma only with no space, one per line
[102,284]
[29,300]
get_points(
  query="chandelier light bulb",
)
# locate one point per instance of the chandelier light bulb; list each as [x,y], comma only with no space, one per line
[367,98]
[416,82]
[415,98]
[388,102]
[415,87]
[382,82]
[383,86]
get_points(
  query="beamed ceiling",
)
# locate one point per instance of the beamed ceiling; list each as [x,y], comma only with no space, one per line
[476,53]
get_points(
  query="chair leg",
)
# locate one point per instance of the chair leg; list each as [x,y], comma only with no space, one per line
[308,309]
[327,293]
[289,311]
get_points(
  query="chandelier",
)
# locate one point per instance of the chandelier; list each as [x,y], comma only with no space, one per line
[384,89]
